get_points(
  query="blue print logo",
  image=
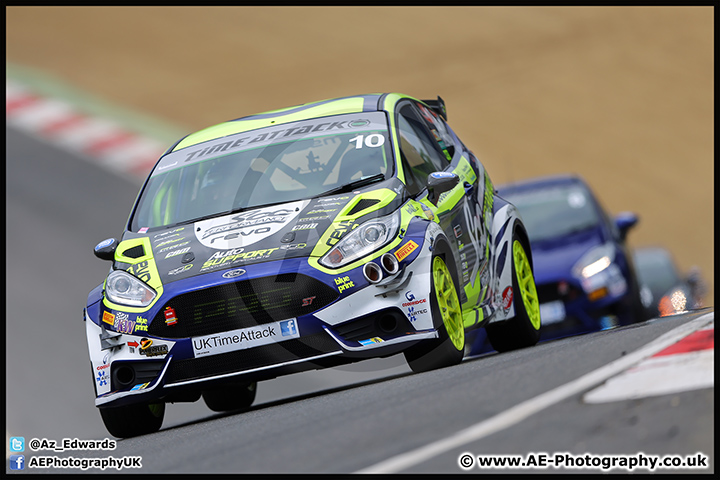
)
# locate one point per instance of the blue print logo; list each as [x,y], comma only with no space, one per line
[102,378]
[288,328]
[410,297]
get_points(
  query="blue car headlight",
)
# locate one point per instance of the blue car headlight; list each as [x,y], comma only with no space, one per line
[599,274]
[363,240]
[125,289]
[594,261]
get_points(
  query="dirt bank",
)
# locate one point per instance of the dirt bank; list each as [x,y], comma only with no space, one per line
[622,96]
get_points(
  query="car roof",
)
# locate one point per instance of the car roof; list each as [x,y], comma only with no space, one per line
[335,106]
[541,182]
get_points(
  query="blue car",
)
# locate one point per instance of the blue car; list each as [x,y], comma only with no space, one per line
[584,272]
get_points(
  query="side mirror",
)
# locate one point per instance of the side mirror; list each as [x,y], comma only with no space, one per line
[439,183]
[624,222]
[105,250]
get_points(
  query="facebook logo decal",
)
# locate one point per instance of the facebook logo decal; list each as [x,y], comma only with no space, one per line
[288,328]
[17,444]
[17,462]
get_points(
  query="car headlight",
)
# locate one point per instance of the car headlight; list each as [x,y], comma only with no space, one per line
[594,261]
[125,289]
[672,303]
[363,240]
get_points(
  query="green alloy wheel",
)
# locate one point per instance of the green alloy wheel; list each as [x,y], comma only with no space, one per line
[446,312]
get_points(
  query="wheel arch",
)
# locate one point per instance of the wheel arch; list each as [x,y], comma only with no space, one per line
[519,229]
[441,246]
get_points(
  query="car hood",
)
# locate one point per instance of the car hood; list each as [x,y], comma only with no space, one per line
[553,259]
[301,228]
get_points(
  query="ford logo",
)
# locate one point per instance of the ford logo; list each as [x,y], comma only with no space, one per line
[234,273]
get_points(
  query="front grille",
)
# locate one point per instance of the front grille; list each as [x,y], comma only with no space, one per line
[242,304]
[240,360]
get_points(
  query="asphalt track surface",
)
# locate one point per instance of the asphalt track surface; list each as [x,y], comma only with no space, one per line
[334,421]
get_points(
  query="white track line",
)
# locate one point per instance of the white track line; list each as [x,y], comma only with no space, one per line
[529,407]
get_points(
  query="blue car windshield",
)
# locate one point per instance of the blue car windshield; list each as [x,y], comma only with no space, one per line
[276,164]
[554,211]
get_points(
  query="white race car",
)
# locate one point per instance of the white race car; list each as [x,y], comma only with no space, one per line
[304,238]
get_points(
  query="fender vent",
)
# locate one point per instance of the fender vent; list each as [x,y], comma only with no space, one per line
[362,205]
[135,252]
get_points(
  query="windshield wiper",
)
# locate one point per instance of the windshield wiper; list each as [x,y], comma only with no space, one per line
[361,182]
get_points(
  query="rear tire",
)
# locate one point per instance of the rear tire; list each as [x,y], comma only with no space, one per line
[229,398]
[133,420]
[449,348]
[523,330]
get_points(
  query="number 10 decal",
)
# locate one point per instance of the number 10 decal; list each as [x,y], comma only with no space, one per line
[373,140]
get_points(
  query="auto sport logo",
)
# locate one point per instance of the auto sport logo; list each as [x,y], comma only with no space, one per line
[240,230]
[507,298]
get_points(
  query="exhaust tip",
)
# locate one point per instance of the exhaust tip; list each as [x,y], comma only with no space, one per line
[372,272]
[390,263]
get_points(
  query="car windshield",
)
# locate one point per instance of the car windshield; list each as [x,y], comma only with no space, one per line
[270,165]
[554,211]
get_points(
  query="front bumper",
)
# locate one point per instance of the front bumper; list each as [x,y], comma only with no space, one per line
[136,362]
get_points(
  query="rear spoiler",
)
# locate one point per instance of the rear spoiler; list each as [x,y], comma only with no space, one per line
[438,106]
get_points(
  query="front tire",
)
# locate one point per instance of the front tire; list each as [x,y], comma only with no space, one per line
[523,330]
[449,349]
[133,420]
[229,398]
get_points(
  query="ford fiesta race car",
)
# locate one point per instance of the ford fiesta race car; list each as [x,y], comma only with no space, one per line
[304,238]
